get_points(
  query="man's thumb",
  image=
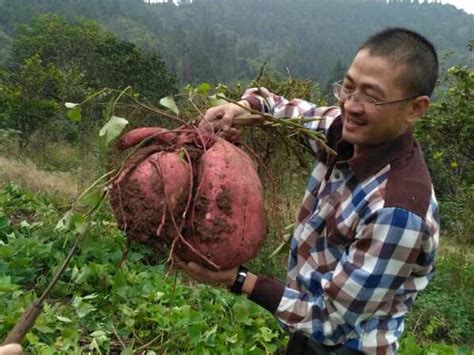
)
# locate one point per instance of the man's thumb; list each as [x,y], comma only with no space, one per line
[10,349]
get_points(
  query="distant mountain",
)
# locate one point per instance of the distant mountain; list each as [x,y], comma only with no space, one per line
[228,40]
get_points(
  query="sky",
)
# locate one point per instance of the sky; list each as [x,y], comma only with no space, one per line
[466,5]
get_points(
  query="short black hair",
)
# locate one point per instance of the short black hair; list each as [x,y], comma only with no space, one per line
[401,46]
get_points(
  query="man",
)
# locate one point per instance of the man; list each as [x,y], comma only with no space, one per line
[368,228]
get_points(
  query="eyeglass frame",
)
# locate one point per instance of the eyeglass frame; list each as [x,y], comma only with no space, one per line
[370,100]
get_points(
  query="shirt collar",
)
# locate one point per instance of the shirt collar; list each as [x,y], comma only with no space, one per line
[371,158]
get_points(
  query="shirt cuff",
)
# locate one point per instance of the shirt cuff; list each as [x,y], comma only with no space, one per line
[267,293]
[254,102]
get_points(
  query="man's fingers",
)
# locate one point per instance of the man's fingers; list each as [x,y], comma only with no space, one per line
[232,135]
[10,349]
[190,267]
[207,124]
[211,117]
[226,122]
[202,274]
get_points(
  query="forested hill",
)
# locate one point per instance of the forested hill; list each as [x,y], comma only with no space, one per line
[228,40]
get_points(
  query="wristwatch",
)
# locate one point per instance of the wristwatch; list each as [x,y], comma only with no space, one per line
[239,280]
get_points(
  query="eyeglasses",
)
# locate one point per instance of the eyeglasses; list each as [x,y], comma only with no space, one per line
[342,94]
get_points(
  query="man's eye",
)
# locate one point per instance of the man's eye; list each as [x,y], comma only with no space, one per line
[371,99]
[347,89]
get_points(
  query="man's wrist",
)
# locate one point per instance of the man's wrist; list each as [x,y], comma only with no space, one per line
[248,284]
[244,103]
[239,280]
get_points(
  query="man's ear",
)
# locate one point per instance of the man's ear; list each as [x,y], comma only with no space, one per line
[418,108]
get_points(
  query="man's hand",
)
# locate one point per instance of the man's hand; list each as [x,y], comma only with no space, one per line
[10,349]
[201,274]
[219,119]
[224,277]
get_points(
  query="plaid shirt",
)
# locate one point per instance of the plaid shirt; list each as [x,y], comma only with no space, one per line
[365,240]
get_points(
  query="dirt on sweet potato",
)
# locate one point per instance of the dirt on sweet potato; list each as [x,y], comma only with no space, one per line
[198,195]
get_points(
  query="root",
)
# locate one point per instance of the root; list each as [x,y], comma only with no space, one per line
[187,137]
[178,229]
[162,223]
[122,211]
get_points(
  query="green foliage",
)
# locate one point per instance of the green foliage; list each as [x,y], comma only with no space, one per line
[118,64]
[104,60]
[446,133]
[29,97]
[57,41]
[223,41]
[443,313]
[100,307]
[410,346]
[57,60]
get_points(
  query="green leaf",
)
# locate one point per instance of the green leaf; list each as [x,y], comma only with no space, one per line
[267,334]
[81,228]
[6,285]
[64,319]
[80,223]
[75,114]
[127,351]
[203,88]
[98,334]
[91,199]
[25,224]
[4,222]
[82,308]
[215,101]
[170,104]
[91,296]
[233,339]
[113,128]
[64,223]
[74,272]
[73,221]
[182,155]
[32,339]
[210,332]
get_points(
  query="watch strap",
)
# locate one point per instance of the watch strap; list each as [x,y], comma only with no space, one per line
[239,280]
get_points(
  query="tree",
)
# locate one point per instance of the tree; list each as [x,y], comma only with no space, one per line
[119,64]
[57,60]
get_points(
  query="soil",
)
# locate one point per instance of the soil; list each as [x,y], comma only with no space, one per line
[224,201]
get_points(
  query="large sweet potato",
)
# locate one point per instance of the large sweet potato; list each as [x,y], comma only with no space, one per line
[228,222]
[208,181]
[138,135]
[146,197]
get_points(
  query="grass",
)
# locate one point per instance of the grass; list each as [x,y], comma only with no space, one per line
[25,173]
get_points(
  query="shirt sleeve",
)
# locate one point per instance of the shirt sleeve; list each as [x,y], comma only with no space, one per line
[370,281]
[261,99]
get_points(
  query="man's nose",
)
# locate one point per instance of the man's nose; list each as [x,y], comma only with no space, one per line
[352,104]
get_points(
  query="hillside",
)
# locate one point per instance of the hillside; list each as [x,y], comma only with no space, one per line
[225,41]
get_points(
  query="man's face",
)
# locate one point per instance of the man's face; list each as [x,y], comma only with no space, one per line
[367,124]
